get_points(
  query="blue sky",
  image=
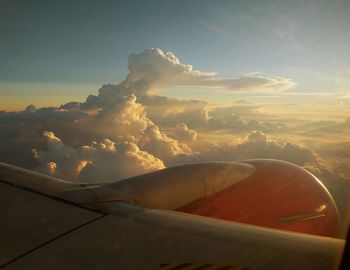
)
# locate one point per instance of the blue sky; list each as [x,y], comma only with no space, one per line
[76,45]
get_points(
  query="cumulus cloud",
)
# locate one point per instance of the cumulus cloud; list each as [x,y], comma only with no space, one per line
[20,132]
[126,121]
[182,133]
[242,117]
[159,144]
[337,150]
[257,144]
[337,155]
[157,69]
[139,125]
[108,161]
[97,162]
[123,121]
[127,130]
[341,166]
[169,112]
[58,160]
[154,69]
[260,145]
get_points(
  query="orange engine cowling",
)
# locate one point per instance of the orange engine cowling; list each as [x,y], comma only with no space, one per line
[278,195]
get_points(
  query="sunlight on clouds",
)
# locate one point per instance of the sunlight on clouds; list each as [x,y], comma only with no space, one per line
[82,165]
[126,129]
[154,69]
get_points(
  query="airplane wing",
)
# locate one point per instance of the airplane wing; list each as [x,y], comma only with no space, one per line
[47,223]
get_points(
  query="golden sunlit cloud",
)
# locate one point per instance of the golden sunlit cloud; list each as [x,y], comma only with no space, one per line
[127,130]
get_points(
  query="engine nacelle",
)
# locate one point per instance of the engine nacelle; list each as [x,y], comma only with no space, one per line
[269,193]
[277,195]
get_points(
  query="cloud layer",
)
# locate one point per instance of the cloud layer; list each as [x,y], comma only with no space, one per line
[126,129]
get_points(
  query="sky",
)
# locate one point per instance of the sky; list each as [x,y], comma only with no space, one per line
[53,51]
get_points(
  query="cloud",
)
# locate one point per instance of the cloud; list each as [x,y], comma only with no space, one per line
[337,155]
[258,144]
[127,130]
[158,69]
[169,112]
[182,133]
[127,120]
[20,132]
[242,117]
[154,69]
[162,146]
[201,116]
[123,121]
[337,149]
[139,125]
[341,166]
[238,124]
[98,162]
[328,129]
[256,83]
[108,161]
[58,160]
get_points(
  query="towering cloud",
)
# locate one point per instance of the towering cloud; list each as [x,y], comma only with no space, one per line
[127,130]
[182,133]
[154,69]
